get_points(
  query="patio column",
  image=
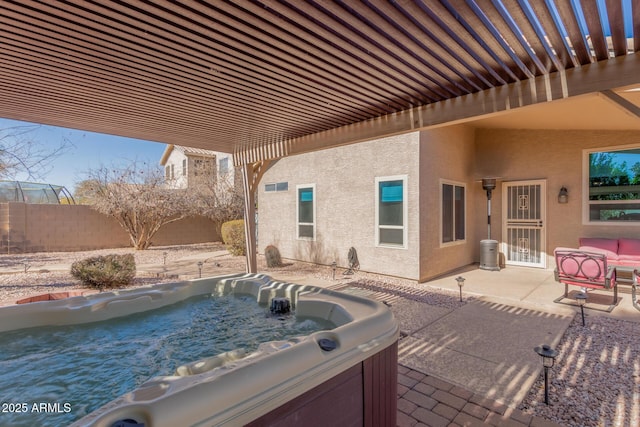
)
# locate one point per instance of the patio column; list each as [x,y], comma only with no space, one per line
[251,175]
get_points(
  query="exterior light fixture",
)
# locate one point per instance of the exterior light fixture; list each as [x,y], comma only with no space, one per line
[563,195]
[200,263]
[164,258]
[548,359]
[460,281]
[581,298]
[334,265]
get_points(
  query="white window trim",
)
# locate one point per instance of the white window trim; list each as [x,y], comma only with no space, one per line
[298,224]
[405,212]
[585,187]
[454,242]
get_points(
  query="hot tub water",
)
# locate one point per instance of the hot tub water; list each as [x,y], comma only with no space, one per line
[69,371]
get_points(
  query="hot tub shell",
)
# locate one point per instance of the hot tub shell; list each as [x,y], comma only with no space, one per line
[353,381]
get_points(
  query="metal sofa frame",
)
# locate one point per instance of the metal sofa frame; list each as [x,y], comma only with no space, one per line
[586,270]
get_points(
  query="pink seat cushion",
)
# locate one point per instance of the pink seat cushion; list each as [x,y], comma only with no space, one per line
[629,248]
[609,247]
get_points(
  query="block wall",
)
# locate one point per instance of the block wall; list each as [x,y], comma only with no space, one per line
[40,228]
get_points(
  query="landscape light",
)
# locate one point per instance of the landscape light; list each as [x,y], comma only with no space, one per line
[548,359]
[460,281]
[581,298]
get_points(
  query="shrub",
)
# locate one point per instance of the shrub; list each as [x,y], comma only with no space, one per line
[108,271]
[233,237]
[272,254]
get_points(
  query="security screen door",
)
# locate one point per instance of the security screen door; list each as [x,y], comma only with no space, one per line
[523,210]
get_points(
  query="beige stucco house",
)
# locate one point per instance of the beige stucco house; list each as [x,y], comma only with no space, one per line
[183,165]
[413,205]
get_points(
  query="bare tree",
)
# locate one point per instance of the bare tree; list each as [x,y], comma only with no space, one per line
[21,153]
[138,199]
[85,192]
[220,199]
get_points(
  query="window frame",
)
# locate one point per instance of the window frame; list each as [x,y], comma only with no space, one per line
[276,187]
[298,223]
[586,176]
[455,241]
[405,212]
[223,166]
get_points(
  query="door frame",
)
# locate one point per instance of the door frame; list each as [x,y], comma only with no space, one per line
[543,222]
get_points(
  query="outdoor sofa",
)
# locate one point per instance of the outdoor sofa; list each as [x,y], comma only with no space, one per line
[597,264]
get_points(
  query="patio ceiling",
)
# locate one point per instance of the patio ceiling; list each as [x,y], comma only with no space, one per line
[264,79]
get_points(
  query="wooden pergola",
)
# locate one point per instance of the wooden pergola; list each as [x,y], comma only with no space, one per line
[263,79]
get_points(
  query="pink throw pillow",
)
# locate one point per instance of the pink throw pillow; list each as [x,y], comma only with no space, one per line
[629,247]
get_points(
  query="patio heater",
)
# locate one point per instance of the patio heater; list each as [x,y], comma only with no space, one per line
[488,247]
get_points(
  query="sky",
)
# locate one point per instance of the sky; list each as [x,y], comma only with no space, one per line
[87,150]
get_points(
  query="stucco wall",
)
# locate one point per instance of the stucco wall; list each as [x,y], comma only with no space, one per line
[555,156]
[37,228]
[176,158]
[345,205]
[446,153]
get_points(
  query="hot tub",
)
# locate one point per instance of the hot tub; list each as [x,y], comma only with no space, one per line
[343,376]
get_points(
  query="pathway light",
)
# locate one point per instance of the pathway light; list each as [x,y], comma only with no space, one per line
[581,298]
[548,359]
[200,263]
[460,281]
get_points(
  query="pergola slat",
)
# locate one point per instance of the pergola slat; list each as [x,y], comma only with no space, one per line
[267,78]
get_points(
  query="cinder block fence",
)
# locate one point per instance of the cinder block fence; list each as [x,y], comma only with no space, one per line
[50,228]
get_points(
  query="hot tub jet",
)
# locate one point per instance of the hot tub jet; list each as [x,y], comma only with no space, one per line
[280,305]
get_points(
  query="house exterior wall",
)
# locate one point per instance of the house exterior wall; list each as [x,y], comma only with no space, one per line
[446,154]
[345,189]
[175,159]
[37,228]
[344,181]
[555,156]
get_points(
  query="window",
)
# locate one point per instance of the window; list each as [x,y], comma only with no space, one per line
[306,212]
[168,172]
[279,186]
[223,166]
[391,211]
[202,167]
[613,187]
[184,167]
[453,212]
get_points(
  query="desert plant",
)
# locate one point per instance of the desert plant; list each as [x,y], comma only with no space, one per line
[108,271]
[233,236]
[272,255]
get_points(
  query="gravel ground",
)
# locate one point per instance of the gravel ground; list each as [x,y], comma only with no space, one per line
[595,380]
[32,279]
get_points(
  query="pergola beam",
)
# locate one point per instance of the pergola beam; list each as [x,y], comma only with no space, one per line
[625,105]
[251,175]
[597,77]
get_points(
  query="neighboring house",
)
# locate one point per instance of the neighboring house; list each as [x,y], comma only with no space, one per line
[184,165]
[413,205]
